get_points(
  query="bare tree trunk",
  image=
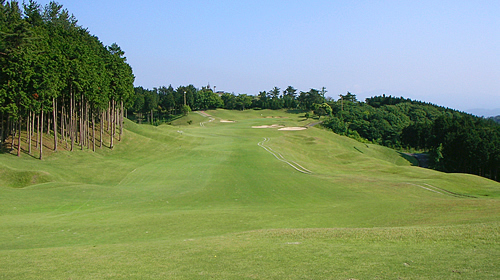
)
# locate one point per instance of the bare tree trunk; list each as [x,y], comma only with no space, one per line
[33,116]
[41,136]
[62,120]
[87,126]
[12,131]
[102,127]
[109,115]
[30,131]
[93,131]
[2,129]
[18,139]
[71,125]
[14,135]
[64,125]
[115,117]
[54,116]
[28,127]
[37,142]
[111,132]
[82,139]
[121,121]
[48,125]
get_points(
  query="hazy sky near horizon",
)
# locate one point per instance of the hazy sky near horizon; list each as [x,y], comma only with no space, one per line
[444,52]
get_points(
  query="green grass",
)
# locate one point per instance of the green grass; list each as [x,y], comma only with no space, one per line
[205,201]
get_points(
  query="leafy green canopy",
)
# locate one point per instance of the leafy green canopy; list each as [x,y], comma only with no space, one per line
[458,142]
[45,56]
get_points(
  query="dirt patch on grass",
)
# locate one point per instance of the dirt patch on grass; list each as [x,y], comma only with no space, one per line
[226,121]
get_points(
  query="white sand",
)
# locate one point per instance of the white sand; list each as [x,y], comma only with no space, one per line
[226,121]
[268,126]
[293,128]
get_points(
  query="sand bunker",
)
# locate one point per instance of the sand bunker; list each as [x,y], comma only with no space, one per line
[226,121]
[281,127]
[268,126]
[294,128]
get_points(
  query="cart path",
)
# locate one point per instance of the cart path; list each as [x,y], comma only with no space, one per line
[280,157]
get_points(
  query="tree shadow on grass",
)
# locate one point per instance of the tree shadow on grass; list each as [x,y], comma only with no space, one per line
[410,158]
[295,111]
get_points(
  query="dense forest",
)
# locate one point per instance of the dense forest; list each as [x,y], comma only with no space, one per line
[162,103]
[57,78]
[455,141]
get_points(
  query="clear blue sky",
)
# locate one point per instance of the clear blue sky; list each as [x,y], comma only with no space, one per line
[444,52]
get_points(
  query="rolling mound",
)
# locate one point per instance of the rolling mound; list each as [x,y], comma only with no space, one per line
[20,178]
[226,201]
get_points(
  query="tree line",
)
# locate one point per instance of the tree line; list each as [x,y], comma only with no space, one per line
[58,78]
[162,103]
[456,141]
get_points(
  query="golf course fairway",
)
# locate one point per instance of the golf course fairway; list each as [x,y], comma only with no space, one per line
[234,196]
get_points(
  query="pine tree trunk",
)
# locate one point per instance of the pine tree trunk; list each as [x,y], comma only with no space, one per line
[30,129]
[121,120]
[82,139]
[54,116]
[41,136]
[93,132]
[2,129]
[48,125]
[71,125]
[18,139]
[12,131]
[64,125]
[37,142]
[116,120]
[83,122]
[8,135]
[33,116]
[62,119]
[63,137]
[109,115]
[87,126]
[101,128]
[111,123]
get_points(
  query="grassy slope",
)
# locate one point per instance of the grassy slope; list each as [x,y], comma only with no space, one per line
[192,201]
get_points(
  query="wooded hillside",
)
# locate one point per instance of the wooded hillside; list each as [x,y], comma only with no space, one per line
[455,141]
[57,77]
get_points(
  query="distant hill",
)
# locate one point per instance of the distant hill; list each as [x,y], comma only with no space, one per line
[496,119]
[484,112]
